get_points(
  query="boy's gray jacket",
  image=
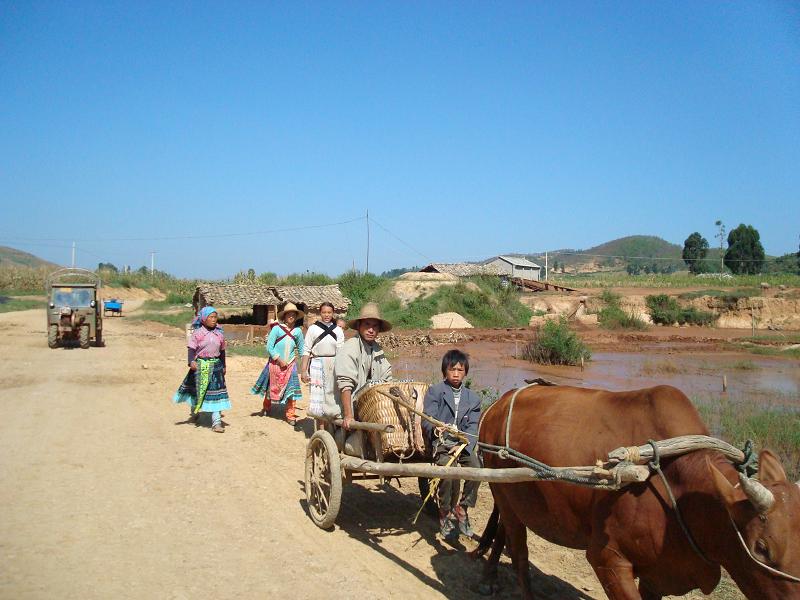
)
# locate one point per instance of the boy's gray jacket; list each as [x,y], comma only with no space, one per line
[439,404]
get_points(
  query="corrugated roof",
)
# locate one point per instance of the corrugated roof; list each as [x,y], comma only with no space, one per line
[519,261]
[460,269]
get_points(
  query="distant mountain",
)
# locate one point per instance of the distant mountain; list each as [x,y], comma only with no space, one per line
[614,255]
[11,257]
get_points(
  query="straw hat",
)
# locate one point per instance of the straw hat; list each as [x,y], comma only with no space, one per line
[290,307]
[370,311]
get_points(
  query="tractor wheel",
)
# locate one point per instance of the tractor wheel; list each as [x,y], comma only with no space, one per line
[323,479]
[84,336]
[52,336]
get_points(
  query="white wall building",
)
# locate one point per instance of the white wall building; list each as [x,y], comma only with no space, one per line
[514,266]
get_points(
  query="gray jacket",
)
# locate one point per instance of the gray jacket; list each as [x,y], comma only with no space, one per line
[358,362]
[440,404]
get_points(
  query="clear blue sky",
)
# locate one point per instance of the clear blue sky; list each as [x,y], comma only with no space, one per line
[468,129]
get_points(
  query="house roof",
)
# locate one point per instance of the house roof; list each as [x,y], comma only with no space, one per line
[519,261]
[236,294]
[313,295]
[460,269]
[251,294]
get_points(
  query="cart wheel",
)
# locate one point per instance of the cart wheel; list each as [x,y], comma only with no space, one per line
[323,479]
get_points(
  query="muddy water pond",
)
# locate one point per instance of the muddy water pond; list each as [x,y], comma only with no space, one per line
[768,380]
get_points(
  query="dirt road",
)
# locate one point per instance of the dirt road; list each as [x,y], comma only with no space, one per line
[107,492]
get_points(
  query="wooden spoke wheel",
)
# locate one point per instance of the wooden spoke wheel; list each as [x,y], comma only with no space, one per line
[323,479]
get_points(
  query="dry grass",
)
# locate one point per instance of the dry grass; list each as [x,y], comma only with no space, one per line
[651,368]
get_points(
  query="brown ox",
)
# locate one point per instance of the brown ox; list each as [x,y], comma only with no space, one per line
[634,532]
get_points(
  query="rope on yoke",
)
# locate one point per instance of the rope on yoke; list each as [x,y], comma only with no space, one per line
[655,465]
[749,466]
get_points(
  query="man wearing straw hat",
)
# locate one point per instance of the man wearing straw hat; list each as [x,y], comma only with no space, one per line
[361,359]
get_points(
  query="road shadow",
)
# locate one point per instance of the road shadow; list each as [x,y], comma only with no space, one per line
[373,516]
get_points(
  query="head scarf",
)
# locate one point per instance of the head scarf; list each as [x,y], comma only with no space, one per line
[205,312]
[201,317]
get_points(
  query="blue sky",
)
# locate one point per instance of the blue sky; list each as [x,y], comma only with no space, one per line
[467,129]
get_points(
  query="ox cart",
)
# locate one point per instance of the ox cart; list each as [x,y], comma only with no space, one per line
[332,457]
[387,442]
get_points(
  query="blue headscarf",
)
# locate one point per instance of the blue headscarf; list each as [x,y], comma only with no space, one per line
[203,315]
[205,312]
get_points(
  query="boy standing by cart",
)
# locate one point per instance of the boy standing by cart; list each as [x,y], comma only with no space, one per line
[452,403]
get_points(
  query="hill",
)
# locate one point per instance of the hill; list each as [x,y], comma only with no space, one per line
[615,255]
[11,257]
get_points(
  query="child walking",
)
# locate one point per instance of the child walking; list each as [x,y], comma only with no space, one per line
[203,388]
[454,404]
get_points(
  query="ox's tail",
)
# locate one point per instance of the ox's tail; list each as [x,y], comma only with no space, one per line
[488,534]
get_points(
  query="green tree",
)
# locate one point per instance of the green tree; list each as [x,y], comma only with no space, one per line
[695,249]
[745,253]
[721,237]
[107,267]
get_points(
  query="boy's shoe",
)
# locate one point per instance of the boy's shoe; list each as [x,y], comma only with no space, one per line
[218,428]
[193,418]
[447,525]
[461,515]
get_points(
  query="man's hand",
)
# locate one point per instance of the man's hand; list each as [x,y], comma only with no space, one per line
[305,378]
[193,365]
[346,422]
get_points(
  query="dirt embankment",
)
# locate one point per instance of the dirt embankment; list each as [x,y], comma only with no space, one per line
[779,311]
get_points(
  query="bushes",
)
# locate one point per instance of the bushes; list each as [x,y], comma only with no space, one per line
[362,288]
[491,305]
[556,344]
[613,317]
[665,310]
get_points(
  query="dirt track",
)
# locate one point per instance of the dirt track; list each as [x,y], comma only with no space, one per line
[107,492]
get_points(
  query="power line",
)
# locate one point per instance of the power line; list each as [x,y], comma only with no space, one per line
[406,244]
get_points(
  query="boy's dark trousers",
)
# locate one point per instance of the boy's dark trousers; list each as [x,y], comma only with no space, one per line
[448,491]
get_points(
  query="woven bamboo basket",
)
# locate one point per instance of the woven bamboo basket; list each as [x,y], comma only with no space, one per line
[374,406]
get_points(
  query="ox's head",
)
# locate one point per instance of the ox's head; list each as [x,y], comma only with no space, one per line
[766,511]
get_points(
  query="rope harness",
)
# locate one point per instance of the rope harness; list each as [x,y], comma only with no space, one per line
[541,470]
[655,465]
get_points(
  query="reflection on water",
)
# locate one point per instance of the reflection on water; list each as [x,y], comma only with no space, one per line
[694,373]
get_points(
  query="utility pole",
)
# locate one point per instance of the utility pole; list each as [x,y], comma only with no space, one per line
[367,271]
[73,255]
[546,270]
[152,263]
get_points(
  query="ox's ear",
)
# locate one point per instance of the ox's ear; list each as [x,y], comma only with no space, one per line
[770,468]
[725,491]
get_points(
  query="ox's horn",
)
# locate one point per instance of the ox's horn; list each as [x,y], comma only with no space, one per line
[760,497]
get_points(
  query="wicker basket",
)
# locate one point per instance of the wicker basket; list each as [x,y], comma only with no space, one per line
[374,406]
